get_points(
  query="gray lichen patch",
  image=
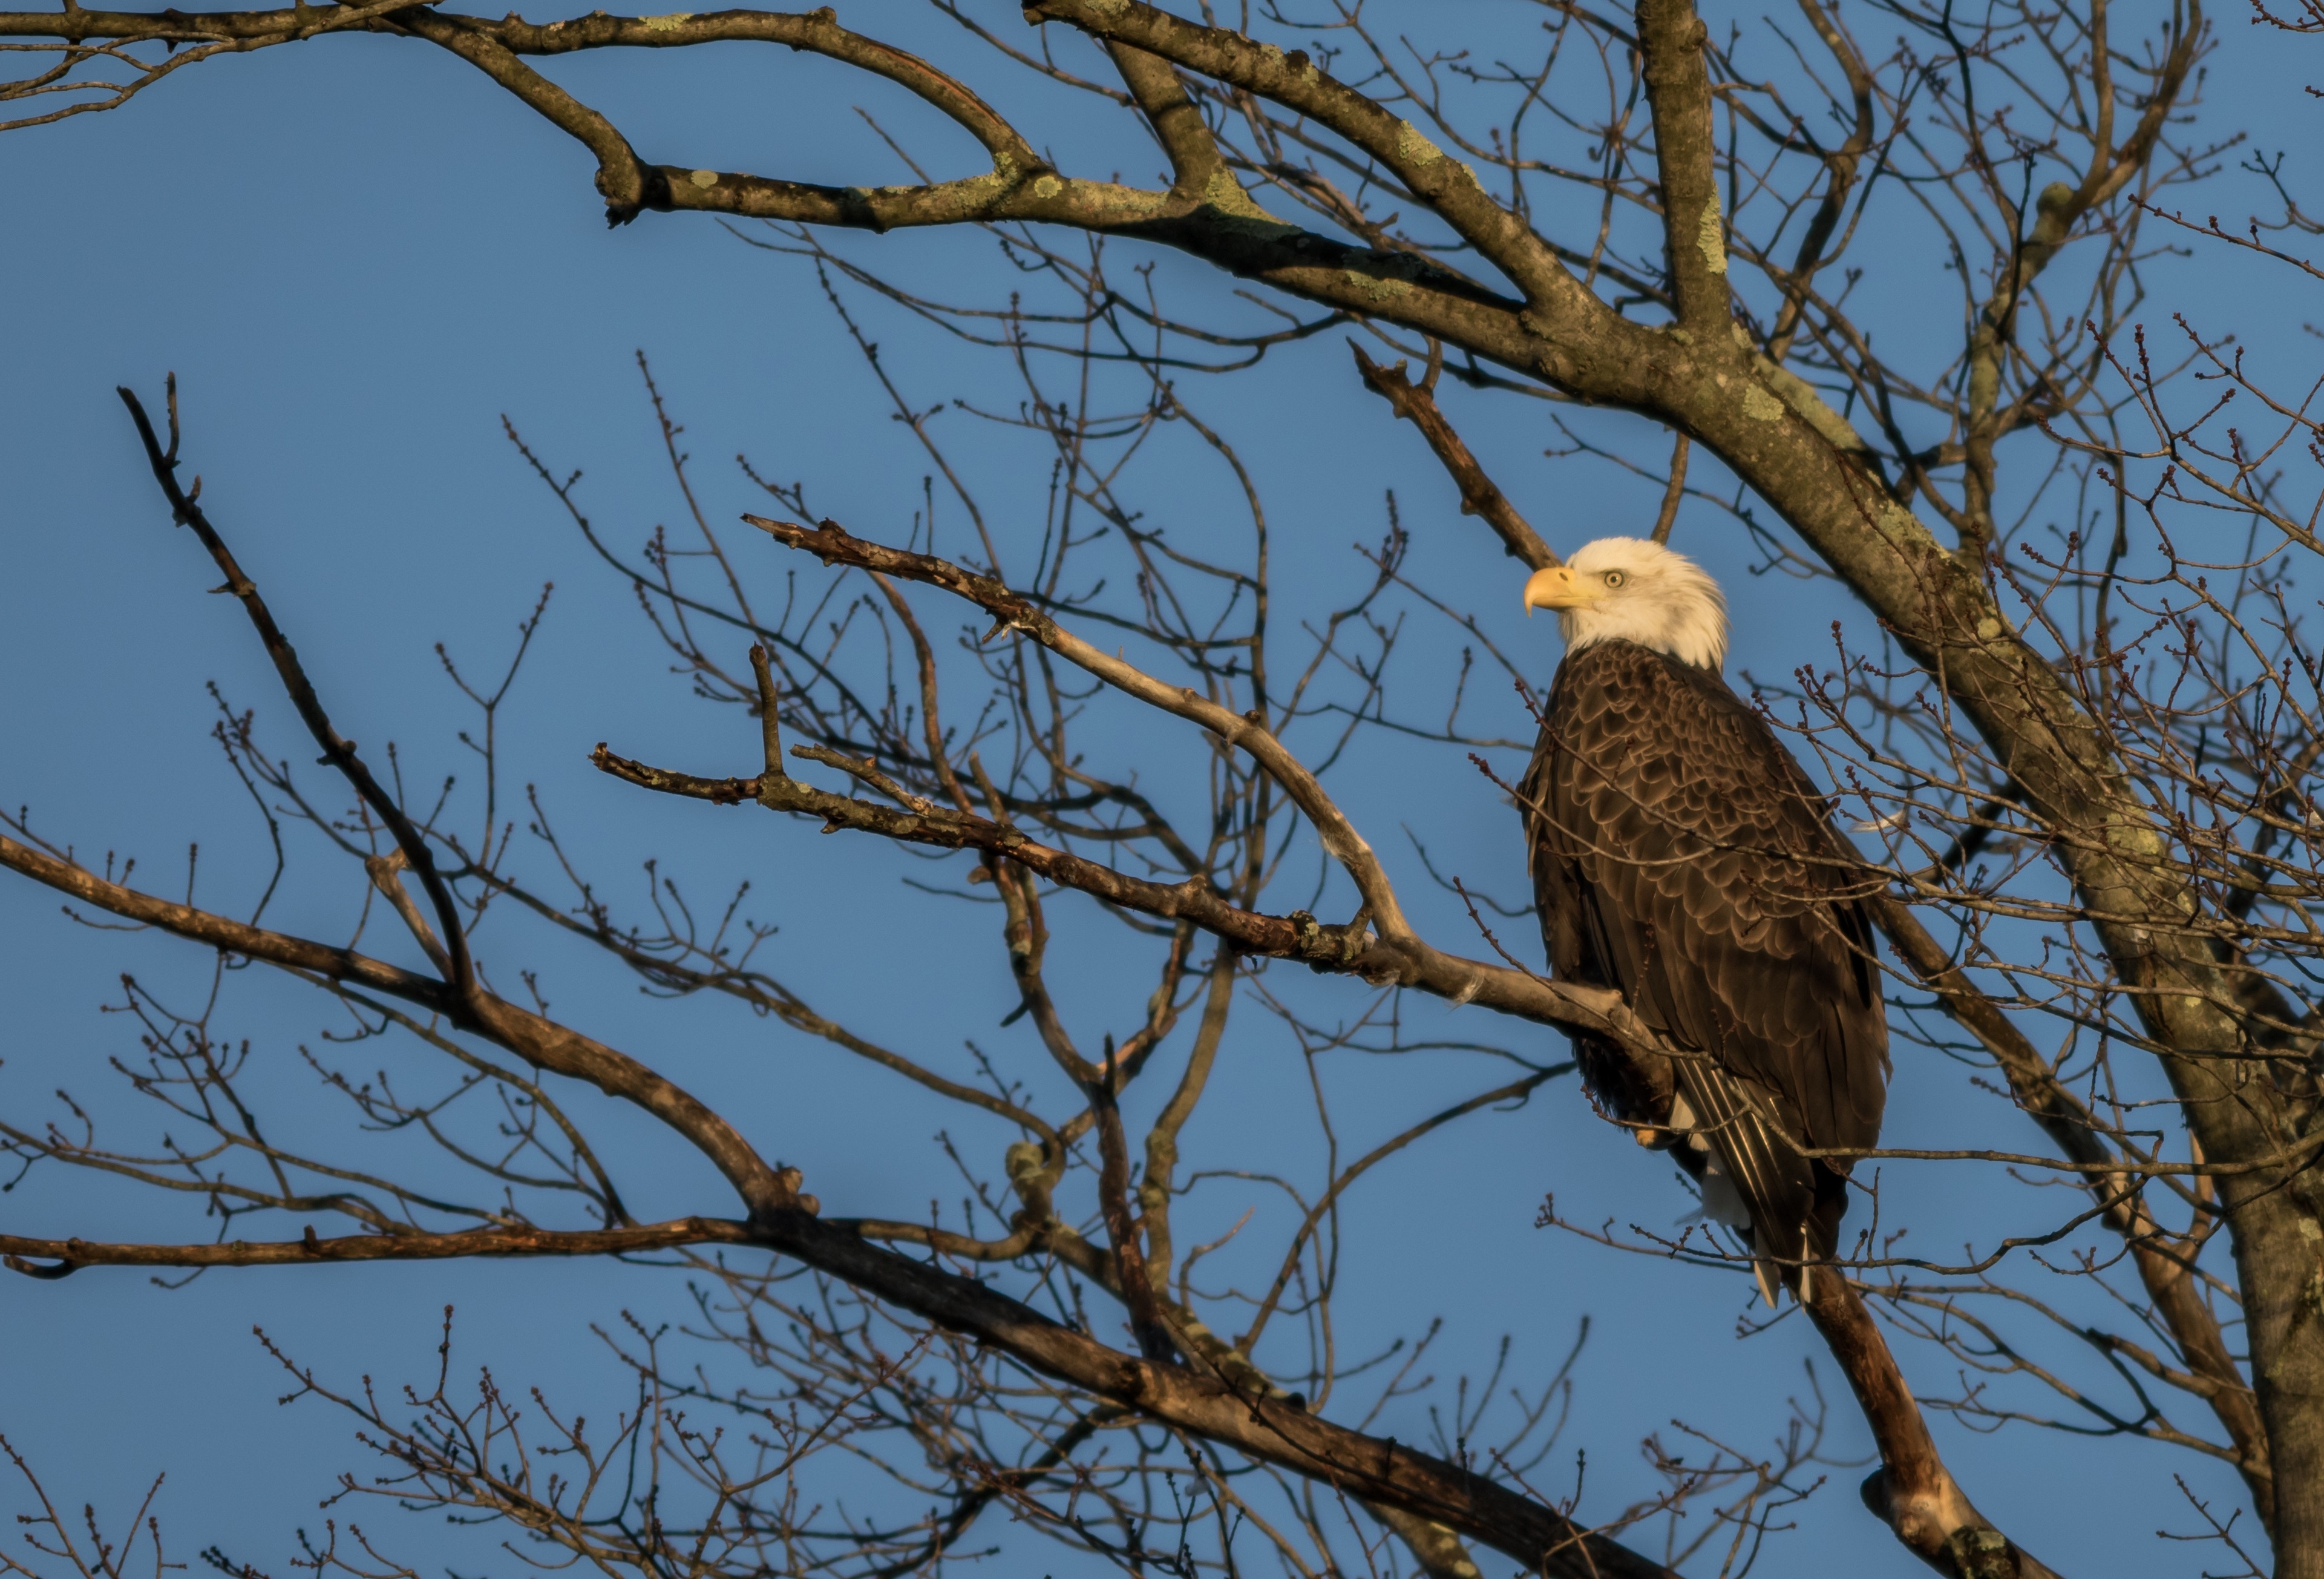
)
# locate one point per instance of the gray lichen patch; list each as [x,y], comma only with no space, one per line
[1382,287]
[1296,60]
[1253,221]
[703,178]
[1048,186]
[1223,192]
[1809,406]
[1760,406]
[1413,147]
[1710,238]
[668,24]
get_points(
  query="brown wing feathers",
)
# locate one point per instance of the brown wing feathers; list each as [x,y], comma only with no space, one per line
[1681,855]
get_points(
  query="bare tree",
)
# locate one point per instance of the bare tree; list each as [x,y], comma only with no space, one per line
[2082,733]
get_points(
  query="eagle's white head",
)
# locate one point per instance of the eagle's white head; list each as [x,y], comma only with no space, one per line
[1628,589]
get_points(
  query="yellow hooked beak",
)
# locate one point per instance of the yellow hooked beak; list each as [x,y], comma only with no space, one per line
[1557,587]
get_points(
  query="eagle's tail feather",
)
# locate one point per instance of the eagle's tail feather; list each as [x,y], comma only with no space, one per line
[1778,1186]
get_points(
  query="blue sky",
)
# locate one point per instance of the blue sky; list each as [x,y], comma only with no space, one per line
[358,257]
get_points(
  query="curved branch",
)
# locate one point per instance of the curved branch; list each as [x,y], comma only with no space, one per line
[1912,1490]
[1248,731]
[1449,187]
[1268,1429]
[2164,1269]
[1479,495]
[529,1036]
[338,749]
[1342,949]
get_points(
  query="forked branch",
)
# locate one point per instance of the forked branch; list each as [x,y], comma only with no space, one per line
[338,749]
[1480,496]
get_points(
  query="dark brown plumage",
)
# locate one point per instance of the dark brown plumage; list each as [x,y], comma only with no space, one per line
[1682,856]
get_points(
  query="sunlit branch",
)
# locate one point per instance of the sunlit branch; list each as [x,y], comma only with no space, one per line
[529,1035]
[59,1257]
[1417,404]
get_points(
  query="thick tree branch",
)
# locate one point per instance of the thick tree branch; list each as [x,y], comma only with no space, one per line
[1222,225]
[1449,187]
[1133,1280]
[1198,171]
[1673,491]
[1694,235]
[1912,1490]
[1267,1429]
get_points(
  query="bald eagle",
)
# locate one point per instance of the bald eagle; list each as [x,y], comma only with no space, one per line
[1680,856]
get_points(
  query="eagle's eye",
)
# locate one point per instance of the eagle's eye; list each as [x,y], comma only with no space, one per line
[1615,578]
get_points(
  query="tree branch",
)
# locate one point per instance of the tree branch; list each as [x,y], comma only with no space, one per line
[529,1036]
[67,1256]
[1447,186]
[1678,88]
[1912,1490]
[2164,1269]
[1417,404]
[1342,949]
[337,751]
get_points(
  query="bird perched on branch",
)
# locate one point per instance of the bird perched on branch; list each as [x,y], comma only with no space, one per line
[1680,856]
